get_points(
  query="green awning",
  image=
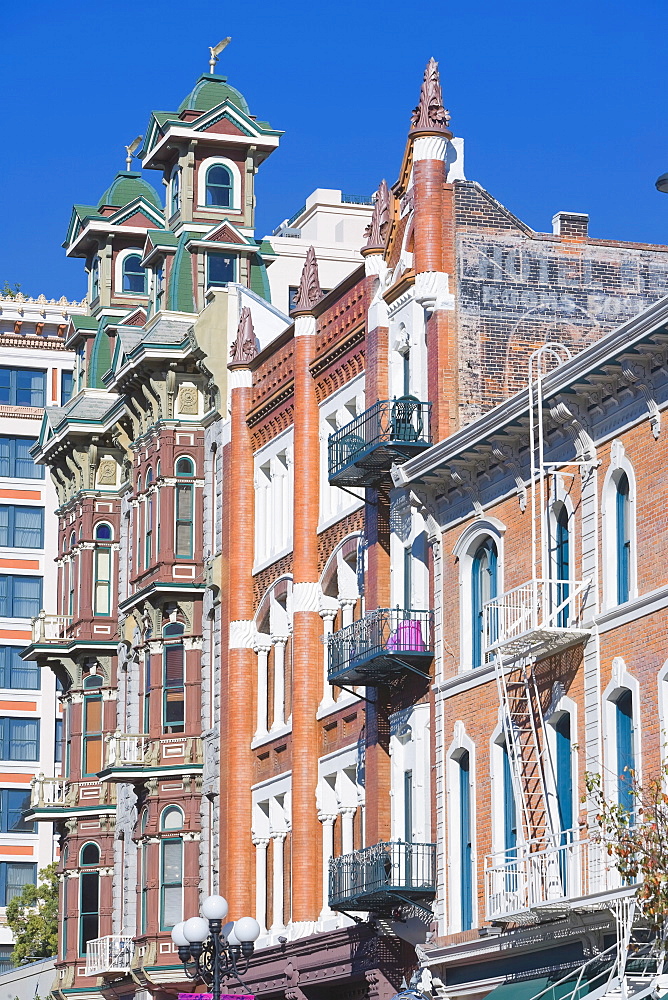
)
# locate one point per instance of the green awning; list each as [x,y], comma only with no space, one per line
[527,989]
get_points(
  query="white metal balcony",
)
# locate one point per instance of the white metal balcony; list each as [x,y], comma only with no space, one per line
[50,628]
[548,876]
[127,749]
[112,953]
[48,792]
[538,617]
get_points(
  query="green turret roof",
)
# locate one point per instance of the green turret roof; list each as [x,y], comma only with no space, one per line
[209,92]
[125,187]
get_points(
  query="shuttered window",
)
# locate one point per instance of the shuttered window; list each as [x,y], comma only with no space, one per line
[173,712]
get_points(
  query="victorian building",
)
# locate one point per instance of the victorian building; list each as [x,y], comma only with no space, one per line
[261,573]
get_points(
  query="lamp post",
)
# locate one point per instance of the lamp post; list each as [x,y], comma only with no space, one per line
[216,950]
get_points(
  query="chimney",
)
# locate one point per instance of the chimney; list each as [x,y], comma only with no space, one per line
[571,224]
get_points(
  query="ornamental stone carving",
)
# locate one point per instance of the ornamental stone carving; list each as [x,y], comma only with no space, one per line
[430,116]
[106,473]
[376,231]
[187,402]
[310,292]
[244,348]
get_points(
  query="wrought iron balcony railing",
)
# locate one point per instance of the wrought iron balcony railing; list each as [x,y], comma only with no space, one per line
[391,430]
[547,875]
[382,877]
[381,646]
[540,613]
[50,628]
[112,953]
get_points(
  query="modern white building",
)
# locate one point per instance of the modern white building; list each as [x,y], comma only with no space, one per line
[35,371]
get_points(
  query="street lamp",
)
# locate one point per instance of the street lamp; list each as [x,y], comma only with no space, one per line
[216,950]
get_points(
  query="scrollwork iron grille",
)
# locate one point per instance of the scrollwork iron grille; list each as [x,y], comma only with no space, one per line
[383,876]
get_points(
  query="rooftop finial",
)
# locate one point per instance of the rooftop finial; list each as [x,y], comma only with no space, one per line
[215,51]
[244,348]
[430,115]
[130,150]
[376,231]
[310,292]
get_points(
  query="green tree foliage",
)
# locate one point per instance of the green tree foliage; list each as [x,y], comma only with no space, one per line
[33,917]
[10,291]
[637,839]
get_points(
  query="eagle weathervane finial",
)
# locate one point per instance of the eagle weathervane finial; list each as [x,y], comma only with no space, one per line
[214,53]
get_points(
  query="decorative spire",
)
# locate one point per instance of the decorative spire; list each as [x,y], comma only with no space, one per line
[244,348]
[430,115]
[376,231]
[310,292]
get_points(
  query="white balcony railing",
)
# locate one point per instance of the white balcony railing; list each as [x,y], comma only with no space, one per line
[127,749]
[50,628]
[546,874]
[551,607]
[48,792]
[112,953]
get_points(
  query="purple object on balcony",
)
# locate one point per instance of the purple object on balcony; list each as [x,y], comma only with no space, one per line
[407,638]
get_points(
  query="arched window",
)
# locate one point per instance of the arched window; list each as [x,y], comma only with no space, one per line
[483,589]
[89,896]
[93,681]
[183,534]
[218,186]
[102,569]
[171,818]
[624,737]
[175,192]
[173,681]
[134,275]
[623,539]
[465,840]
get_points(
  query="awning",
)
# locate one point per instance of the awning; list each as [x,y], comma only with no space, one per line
[526,989]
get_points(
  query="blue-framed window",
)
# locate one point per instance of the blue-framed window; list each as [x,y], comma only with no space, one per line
[465,841]
[219,186]
[221,269]
[175,193]
[66,386]
[22,386]
[623,539]
[563,566]
[134,275]
[184,509]
[17,673]
[95,278]
[58,742]
[13,803]
[625,749]
[19,738]
[89,896]
[20,596]
[21,527]
[564,774]
[14,876]
[509,811]
[15,459]
[484,584]
[171,882]
[173,681]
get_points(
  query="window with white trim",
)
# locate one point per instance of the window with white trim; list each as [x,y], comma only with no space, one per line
[620,582]
[273,499]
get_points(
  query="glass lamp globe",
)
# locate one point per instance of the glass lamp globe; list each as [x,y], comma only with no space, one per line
[232,939]
[214,908]
[226,929]
[196,930]
[178,937]
[246,929]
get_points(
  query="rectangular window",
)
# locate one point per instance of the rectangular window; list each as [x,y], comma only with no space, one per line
[18,673]
[147,692]
[13,803]
[143,917]
[149,529]
[6,958]
[184,521]
[221,269]
[22,386]
[92,740]
[20,596]
[173,719]
[58,742]
[20,739]
[21,527]
[102,580]
[15,459]
[14,875]
[66,386]
[171,882]
[89,920]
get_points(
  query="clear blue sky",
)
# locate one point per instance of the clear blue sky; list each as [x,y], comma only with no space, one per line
[561,105]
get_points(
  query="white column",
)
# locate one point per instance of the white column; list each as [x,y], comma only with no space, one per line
[277,916]
[261,881]
[262,703]
[328,615]
[327,821]
[280,643]
[347,610]
[347,820]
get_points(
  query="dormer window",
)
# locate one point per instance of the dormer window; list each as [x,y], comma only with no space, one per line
[221,269]
[218,186]
[134,275]
[95,278]
[175,192]
[158,286]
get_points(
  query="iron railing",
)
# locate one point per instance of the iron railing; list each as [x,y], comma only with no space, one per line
[356,199]
[388,429]
[50,628]
[383,876]
[551,605]
[380,641]
[112,953]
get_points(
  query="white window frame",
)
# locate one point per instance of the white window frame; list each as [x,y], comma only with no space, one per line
[621,681]
[619,463]
[336,411]
[266,506]
[464,551]
[121,257]
[461,743]
[212,161]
